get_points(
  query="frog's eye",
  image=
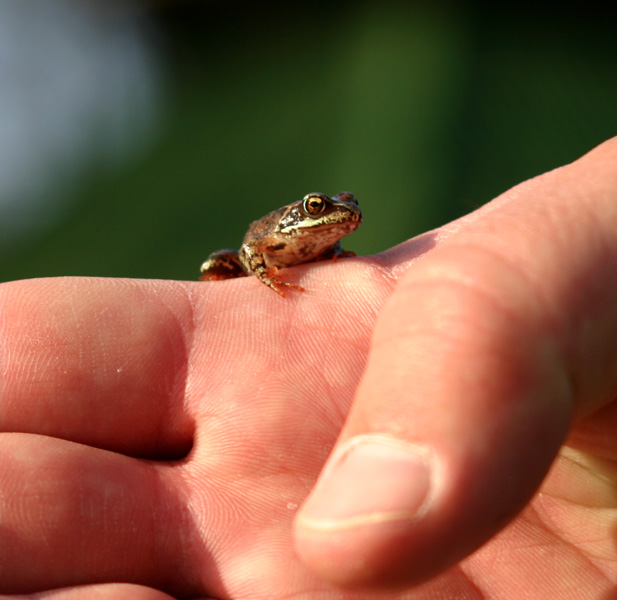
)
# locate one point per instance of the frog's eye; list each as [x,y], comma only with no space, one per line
[314,205]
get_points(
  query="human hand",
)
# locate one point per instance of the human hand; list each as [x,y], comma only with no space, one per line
[164,433]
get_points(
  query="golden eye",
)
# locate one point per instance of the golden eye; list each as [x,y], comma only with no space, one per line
[314,205]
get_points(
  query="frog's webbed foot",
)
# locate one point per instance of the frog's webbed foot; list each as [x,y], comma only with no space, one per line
[222,264]
[268,277]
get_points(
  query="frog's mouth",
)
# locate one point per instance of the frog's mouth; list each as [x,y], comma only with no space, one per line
[352,218]
[318,228]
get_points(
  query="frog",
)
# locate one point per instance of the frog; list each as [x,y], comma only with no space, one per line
[304,231]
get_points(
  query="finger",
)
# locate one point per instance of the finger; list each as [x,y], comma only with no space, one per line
[93,361]
[105,591]
[488,348]
[73,515]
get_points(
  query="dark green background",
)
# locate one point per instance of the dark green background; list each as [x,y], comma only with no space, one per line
[424,110]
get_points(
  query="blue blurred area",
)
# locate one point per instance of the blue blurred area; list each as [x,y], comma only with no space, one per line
[135,138]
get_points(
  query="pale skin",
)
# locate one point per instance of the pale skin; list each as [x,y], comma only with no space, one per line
[166,435]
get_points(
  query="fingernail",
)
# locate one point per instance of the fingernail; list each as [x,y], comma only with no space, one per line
[373,479]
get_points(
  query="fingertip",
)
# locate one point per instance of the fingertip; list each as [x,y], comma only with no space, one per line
[354,529]
[371,478]
[363,558]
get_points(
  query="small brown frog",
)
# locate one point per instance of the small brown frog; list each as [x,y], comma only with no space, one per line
[303,231]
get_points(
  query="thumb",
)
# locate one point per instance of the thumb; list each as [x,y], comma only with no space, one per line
[486,350]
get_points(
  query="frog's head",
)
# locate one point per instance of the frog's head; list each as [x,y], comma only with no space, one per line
[318,212]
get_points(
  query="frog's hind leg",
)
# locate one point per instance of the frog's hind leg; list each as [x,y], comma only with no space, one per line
[222,264]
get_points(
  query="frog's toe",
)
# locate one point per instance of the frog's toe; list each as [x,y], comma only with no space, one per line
[277,285]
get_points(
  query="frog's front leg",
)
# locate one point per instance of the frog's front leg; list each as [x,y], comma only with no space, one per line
[253,256]
[222,264]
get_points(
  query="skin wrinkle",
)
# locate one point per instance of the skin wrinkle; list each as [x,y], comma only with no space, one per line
[471,582]
[585,546]
[164,490]
[452,286]
[571,456]
[542,546]
[179,387]
[577,550]
[394,262]
[513,267]
[178,346]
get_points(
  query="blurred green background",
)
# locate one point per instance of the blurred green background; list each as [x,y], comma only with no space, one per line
[425,110]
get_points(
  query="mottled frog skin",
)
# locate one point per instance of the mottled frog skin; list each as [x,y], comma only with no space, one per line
[303,231]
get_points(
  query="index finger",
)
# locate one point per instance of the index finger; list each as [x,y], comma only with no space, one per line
[100,362]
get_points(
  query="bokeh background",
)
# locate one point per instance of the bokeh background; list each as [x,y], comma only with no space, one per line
[136,136]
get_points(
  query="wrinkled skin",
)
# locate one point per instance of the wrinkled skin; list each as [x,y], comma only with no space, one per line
[159,438]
